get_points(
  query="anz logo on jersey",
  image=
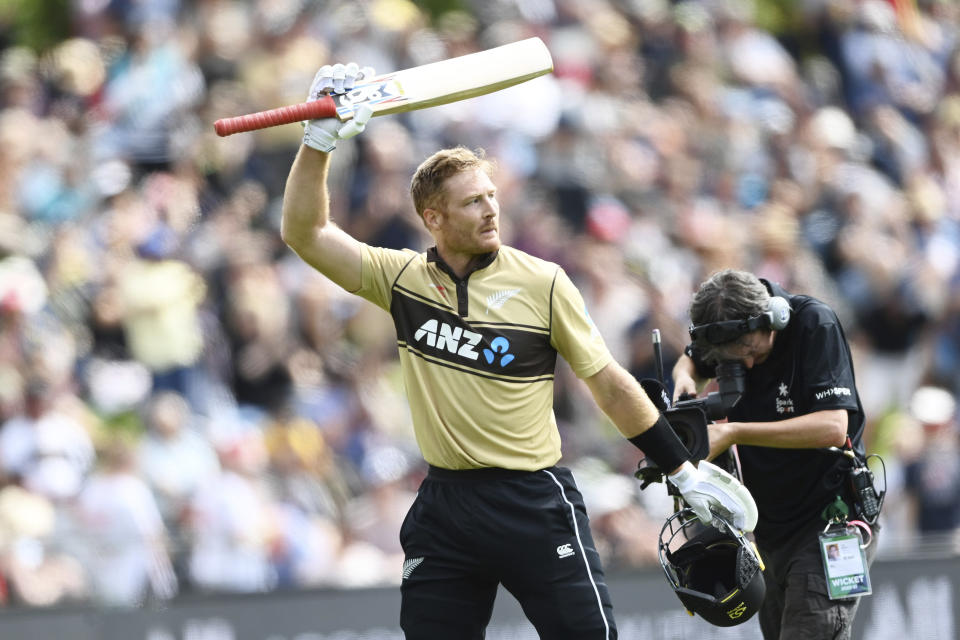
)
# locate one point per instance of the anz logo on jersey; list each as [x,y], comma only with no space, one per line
[441,335]
[510,352]
[462,342]
[499,345]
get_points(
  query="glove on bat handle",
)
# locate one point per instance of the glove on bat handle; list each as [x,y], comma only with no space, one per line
[325,107]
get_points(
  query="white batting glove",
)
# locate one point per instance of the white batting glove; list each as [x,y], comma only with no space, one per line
[323,134]
[338,78]
[709,489]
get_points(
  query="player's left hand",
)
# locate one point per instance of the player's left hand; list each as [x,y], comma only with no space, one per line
[709,489]
[336,79]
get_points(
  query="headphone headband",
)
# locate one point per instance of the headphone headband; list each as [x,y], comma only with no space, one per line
[726,330]
[777,316]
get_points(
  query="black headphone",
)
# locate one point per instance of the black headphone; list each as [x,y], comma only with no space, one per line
[776,317]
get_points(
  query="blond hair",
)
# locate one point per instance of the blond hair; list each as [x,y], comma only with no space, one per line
[427,185]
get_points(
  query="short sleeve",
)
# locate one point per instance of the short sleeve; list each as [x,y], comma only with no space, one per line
[827,368]
[572,332]
[379,270]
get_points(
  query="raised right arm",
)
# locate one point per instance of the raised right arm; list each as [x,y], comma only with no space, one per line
[306,226]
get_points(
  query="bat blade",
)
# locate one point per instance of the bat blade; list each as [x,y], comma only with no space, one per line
[428,85]
[446,81]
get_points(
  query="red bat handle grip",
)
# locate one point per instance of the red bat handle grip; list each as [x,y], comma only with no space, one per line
[323,108]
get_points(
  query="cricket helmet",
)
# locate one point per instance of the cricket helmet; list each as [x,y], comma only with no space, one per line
[714,570]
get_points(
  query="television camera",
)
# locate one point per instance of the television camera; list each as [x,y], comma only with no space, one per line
[689,416]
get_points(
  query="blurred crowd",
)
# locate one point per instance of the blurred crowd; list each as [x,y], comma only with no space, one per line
[185,407]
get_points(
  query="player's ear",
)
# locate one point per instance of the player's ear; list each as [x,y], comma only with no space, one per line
[432,218]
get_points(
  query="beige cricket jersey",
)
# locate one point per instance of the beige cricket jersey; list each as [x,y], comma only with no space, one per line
[478,355]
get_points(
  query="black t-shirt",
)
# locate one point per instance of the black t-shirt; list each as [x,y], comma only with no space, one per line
[809,369]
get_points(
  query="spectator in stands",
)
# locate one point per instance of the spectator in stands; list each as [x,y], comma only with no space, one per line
[232,524]
[46,450]
[933,475]
[310,491]
[626,526]
[160,297]
[257,326]
[174,456]
[125,538]
[35,568]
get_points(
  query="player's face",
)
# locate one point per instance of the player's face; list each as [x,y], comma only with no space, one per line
[469,222]
[751,349]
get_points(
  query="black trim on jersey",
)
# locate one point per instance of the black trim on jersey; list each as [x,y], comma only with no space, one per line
[449,365]
[463,296]
[512,324]
[423,298]
[509,350]
[434,256]
[400,273]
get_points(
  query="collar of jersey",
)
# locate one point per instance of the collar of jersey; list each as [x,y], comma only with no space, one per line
[434,256]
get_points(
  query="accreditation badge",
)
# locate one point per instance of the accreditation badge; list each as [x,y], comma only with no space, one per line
[844,563]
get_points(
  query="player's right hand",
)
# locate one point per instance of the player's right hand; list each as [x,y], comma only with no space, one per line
[709,489]
[323,134]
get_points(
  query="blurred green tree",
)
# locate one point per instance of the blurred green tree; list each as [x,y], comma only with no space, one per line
[778,16]
[436,8]
[37,24]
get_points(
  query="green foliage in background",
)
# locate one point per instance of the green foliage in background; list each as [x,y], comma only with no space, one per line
[778,16]
[436,8]
[37,24]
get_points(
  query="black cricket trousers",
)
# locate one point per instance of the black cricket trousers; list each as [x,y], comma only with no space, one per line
[469,531]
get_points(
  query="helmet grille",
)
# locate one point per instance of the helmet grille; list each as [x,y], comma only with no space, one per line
[747,567]
[714,573]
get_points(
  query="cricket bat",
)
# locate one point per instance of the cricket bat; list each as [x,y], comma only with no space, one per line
[428,85]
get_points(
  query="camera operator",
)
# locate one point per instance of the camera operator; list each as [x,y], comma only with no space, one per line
[799,400]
